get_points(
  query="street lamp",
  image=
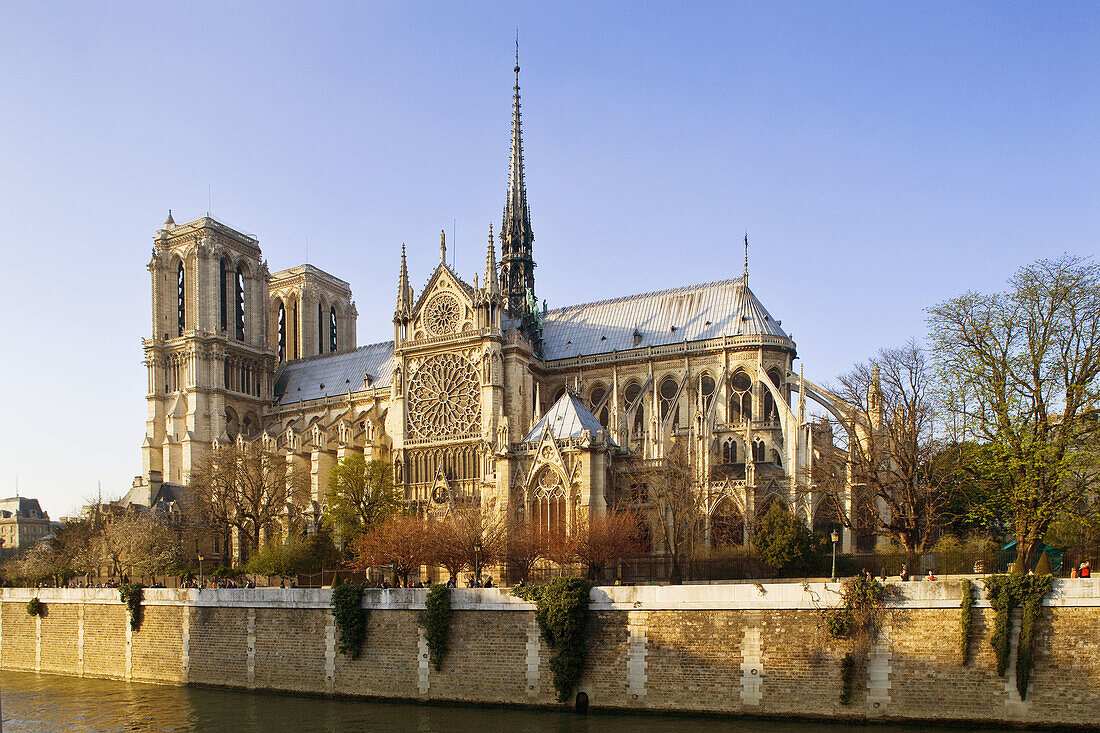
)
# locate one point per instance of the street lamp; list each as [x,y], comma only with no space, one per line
[201,558]
[477,562]
[834,537]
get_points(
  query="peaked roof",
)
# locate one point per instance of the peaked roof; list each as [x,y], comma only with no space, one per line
[334,374]
[568,418]
[692,313]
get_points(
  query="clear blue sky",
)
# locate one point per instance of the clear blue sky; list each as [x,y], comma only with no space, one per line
[882,156]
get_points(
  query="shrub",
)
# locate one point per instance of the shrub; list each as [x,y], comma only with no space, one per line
[437,622]
[781,540]
[131,594]
[561,609]
[847,678]
[36,607]
[350,618]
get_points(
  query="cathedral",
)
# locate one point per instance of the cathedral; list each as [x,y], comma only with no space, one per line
[482,395]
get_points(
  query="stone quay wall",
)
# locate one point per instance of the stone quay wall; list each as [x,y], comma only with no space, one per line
[739,649]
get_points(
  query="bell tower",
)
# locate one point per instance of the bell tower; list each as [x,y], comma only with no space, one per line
[210,369]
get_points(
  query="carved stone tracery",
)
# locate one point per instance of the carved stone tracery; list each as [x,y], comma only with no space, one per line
[444,398]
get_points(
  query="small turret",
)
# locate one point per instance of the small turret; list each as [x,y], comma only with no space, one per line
[492,284]
[404,291]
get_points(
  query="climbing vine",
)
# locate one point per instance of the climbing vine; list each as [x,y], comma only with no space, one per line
[437,622]
[561,609]
[1006,592]
[966,622]
[132,594]
[36,607]
[857,620]
[350,618]
[847,678]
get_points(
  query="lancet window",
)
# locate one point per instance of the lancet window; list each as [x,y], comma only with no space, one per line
[181,309]
[332,344]
[282,331]
[549,503]
[320,329]
[239,302]
[595,398]
[669,403]
[740,402]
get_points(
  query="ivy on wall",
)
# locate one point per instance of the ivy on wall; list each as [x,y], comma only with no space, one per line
[561,609]
[966,622]
[1006,592]
[436,620]
[857,620]
[132,595]
[350,618]
[36,607]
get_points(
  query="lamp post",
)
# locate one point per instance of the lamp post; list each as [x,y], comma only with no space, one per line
[201,558]
[834,537]
[477,562]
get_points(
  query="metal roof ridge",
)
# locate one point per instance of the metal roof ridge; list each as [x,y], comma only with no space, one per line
[318,357]
[669,291]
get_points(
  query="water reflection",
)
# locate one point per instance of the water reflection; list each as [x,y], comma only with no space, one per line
[52,703]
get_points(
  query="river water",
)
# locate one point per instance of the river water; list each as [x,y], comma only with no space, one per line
[33,702]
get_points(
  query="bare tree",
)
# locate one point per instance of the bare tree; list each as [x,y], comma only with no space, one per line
[246,488]
[469,536]
[134,542]
[601,539]
[524,546]
[401,543]
[900,491]
[1022,369]
[667,492]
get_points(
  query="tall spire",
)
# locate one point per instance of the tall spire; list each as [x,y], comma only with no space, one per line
[517,264]
[746,259]
[492,284]
[443,246]
[404,292]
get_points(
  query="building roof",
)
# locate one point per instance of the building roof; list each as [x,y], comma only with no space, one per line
[334,374]
[692,313]
[568,418]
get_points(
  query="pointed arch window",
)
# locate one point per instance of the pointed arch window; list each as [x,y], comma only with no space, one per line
[181,298]
[548,501]
[771,413]
[320,329]
[223,283]
[706,390]
[631,395]
[597,396]
[740,402]
[669,404]
[238,301]
[282,331]
[332,340]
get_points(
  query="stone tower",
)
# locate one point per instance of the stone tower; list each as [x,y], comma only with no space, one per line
[210,368]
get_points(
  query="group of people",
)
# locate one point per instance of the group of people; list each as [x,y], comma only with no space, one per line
[1084,571]
[903,574]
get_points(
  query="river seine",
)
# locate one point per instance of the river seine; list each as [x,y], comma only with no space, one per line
[33,702]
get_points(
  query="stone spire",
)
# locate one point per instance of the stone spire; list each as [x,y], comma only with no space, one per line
[517,265]
[746,259]
[404,291]
[492,284]
[169,222]
[443,246]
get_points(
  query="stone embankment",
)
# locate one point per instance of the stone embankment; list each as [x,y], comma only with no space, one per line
[735,649]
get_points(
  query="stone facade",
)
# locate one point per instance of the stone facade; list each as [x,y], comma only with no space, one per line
[728,649]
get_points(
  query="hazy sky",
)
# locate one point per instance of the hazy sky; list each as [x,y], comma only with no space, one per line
[882,156]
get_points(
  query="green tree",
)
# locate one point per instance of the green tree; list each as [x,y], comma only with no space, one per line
[361,495]
[781,540]
[1019,371]
[298,554]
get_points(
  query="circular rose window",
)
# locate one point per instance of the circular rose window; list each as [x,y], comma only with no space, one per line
[442,314]
[444,398]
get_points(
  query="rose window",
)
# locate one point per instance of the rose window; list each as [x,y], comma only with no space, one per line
[442,315]
[444,398]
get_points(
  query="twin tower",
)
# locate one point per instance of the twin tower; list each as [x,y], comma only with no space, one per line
[223,325]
